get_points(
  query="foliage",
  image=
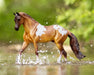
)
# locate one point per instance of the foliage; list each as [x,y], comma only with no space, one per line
[78,17]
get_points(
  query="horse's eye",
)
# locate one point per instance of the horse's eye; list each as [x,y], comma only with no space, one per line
[18,19]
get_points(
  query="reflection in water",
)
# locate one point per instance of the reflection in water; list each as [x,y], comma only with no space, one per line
[54,69]
[75,70]
[48,70]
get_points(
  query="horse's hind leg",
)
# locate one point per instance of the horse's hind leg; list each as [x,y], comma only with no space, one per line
[65,54]
[62,51]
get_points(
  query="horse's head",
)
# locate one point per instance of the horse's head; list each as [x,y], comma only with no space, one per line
[18,20]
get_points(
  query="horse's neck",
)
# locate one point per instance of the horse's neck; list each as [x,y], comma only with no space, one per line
[29,25]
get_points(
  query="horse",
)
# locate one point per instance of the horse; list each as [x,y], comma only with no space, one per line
[35,33]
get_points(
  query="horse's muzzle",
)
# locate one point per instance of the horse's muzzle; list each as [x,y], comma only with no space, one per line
[16,28]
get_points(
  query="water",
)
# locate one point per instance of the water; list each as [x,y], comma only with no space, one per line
[47,70]
[11,63]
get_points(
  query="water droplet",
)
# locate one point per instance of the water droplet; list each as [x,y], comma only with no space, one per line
[91,45]
[68,62]
[46,51]
[46,22]
[90,62]
[58,51]
[56,16]
[71,57]
[40,43]
[47,46]
[10,41]
[53,56]
[44,57]
[44,45]
[51,52]
[29,49]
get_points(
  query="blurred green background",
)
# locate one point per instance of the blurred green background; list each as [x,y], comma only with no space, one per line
[74,15]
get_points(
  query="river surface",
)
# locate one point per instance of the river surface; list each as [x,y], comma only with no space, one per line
[26,64]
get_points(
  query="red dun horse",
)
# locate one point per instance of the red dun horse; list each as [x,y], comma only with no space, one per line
[35,32]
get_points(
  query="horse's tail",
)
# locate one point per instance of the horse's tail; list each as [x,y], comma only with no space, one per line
[75,46]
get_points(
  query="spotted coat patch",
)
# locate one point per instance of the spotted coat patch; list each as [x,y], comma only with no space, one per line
[40,30]
[60,29]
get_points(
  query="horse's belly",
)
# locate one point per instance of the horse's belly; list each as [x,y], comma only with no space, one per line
[48,35]
[46,38]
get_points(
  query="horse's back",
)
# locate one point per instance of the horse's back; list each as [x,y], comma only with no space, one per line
[54,32]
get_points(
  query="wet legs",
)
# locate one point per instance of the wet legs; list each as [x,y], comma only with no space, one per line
[62,51]
[36,50]
[25,44]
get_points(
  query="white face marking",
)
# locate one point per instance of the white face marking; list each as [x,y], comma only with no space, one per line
[40,30]
[60,29]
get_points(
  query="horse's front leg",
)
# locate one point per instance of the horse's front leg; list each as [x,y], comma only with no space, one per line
[25,44]
[36,50]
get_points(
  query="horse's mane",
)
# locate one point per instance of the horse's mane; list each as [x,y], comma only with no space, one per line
[27,16]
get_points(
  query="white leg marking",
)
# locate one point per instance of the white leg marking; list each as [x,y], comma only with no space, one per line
[65,59]
[59,59]
[37,58]
[18,59]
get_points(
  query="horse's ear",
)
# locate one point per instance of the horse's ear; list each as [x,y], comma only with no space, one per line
[13,13]
[17,13]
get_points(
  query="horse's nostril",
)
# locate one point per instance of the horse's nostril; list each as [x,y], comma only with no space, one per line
[16,29]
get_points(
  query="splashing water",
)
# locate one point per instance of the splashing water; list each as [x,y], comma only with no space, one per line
[18,59]
[21,59]
[71,57]
[41,51]
[44,59]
